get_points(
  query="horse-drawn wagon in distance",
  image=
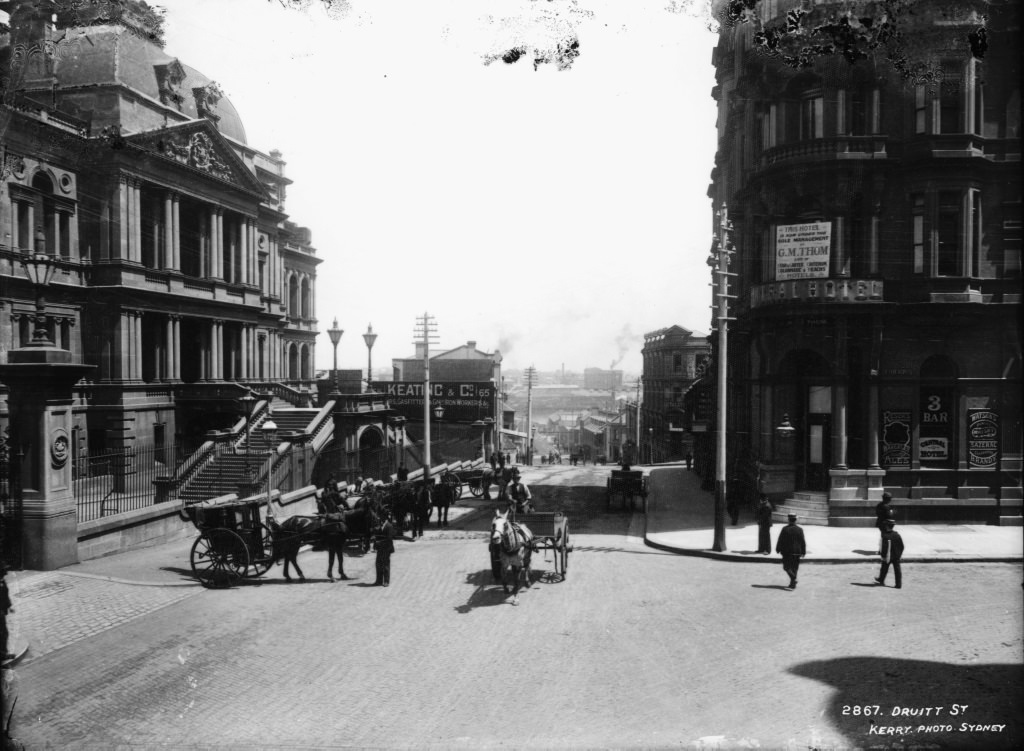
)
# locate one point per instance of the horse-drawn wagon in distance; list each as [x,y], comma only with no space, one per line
[628,485]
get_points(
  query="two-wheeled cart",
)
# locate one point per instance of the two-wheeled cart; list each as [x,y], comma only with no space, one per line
[550,533]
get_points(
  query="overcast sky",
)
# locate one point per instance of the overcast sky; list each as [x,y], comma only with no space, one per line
[554,214]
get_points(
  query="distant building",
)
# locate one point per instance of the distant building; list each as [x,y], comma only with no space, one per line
[607,380]
[673,358]
[464,386]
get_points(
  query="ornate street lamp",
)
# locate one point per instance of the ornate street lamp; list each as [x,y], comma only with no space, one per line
[335,333]
[439,413]
[40,267]
[369,337]
[269,431]
[248,402]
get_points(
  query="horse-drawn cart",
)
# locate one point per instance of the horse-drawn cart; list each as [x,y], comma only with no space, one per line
[628,485]
[473,479]
[233,542]
[550,531]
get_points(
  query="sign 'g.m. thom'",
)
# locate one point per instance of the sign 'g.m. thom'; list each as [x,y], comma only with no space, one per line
[802,250]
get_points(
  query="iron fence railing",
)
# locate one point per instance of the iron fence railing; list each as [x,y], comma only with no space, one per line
[118,481]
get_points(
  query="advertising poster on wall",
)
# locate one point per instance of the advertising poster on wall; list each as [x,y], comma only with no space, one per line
[802,250]
[936,433]
[462,401]
[982,438]
[896,438]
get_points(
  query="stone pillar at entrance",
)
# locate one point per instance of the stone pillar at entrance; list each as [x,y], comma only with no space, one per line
[40,381]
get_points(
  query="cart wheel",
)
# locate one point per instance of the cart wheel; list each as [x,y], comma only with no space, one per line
[219,558]
[456,484]
[264,560]
[476,489]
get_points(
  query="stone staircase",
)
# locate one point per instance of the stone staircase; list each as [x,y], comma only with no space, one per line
[811,508]
[228,469]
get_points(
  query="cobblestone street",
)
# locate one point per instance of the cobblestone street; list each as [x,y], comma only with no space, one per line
[636,648]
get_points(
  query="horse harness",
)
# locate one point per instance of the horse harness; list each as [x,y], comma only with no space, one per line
[513,538]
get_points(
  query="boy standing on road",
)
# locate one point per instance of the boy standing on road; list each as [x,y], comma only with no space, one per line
[792,547]
[892,554]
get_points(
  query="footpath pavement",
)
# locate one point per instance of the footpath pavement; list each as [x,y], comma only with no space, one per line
[680,519]
[56,608]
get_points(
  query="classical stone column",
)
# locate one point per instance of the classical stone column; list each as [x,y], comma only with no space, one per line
[124,227]
[137,221]
[218,243]
[168,260]
[176,232]
[176,347]
[840,440]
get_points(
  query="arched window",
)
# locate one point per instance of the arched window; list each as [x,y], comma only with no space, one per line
[305,298]
[293,362]
[304,362]
[293,296]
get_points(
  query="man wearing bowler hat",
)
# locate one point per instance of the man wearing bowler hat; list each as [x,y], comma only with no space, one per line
[792,547]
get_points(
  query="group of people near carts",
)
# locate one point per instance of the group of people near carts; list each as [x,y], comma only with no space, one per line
[406,505]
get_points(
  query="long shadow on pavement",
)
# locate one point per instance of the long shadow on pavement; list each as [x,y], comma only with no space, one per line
[488,593]
[963,699]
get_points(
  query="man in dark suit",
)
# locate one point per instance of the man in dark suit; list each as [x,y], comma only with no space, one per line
[892,554]
[764,525]
[792,547]
[884,512]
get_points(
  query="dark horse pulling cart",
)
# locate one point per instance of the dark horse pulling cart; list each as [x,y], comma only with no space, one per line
[234,542]
[629,485]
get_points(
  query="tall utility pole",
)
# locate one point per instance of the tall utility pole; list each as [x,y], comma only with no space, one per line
[531,374]
[721,274]
[427,329]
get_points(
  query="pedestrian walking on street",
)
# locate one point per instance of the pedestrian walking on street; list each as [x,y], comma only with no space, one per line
[689,460]
[403,474]
[792,547]
[764,525]
[421,510]
[384,543]
[884,512]
[892,554]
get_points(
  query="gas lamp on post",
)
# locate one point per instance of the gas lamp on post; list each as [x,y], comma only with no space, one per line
[39,268]
[335,333]
[369,337]
[438,413]
[248,402]
[269,431]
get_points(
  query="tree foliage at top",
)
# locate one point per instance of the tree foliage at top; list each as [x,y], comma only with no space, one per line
[898,30]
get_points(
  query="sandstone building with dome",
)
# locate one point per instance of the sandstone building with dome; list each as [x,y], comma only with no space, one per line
[177,272]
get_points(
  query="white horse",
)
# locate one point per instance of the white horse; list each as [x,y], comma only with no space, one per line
[513,544]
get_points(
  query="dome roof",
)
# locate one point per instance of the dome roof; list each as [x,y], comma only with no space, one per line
[97,55]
